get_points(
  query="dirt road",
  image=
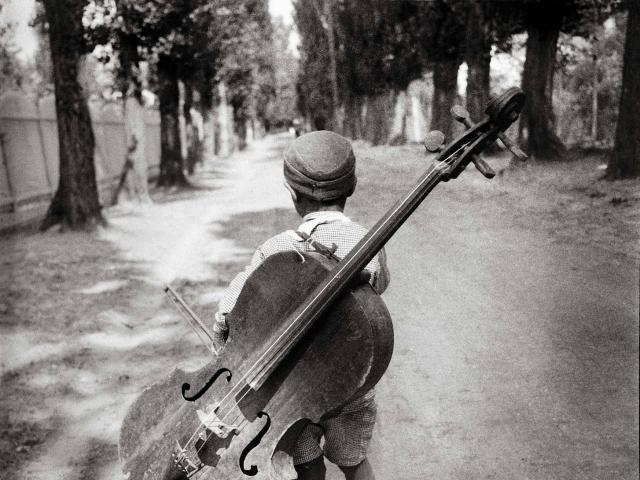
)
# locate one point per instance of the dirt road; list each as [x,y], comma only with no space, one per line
[515,306]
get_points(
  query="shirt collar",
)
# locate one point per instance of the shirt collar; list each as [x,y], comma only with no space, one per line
[325,215]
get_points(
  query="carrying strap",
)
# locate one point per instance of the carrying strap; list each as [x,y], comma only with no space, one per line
[303,234]
[329,252]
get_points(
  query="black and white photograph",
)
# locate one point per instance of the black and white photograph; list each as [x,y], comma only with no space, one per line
[319,239]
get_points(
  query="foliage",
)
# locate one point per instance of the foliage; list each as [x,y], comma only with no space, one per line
[573,98]
[313,87]
[12,73]
[247,61]
[42,60]
[207,41]
[282,108]
[377,50]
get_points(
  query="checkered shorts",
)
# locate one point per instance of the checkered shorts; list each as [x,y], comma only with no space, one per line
[346,435]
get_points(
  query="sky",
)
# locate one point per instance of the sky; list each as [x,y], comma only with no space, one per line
[281,8]
[20,12]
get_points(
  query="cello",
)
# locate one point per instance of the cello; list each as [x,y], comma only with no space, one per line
[305,338]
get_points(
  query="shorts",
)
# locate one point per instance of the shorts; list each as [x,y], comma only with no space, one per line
[346,435]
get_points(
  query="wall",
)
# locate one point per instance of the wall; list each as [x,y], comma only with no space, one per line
[29,152]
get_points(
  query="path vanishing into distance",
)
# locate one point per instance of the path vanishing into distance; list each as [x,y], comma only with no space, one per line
[516,351]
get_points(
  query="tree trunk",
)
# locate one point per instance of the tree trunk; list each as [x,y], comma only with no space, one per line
[478,58]
[225,122]
[445,83]
[76,204]
[594,100]
[378,117]
[353,117]
[171,168]
[208,143]
[335,102]
[129,80]
[137,188]
[537,119]
[624,161]
[191,134]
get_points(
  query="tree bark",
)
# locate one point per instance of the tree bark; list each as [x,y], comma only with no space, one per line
[75,204]
[335,102]
[137,188]
[353,117]
[478,58]
[378,117]
[191,134]
[445,83]
[224,122]
[537,118]
[624,160]
[129,80]
[594,100]
[171,164]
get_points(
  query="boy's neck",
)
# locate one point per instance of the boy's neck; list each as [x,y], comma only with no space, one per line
[320,208]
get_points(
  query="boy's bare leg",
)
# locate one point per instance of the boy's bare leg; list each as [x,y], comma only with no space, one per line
[362,471]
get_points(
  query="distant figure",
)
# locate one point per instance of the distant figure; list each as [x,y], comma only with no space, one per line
[297,127]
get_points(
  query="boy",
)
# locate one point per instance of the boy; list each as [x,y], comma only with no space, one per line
[319,171]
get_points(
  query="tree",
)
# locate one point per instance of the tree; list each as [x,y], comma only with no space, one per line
[171,161]
[488,24]
[75,203]
[314,91]
[281,109]
[537,119]
[379,57]
[444,49]
[544,20]
[160,32]
[111,28]
[248,66]
[624,160]
[478,58]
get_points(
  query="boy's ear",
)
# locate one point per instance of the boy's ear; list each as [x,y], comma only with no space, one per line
[293,193]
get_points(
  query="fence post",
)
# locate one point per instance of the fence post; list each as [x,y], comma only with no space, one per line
[43,149]
[3,156]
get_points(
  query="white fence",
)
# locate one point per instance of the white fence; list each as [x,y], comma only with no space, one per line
[29,152]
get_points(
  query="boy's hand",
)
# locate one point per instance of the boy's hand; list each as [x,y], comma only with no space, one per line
[362,278]
[220,334]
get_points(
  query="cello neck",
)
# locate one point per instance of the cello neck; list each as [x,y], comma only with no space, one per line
[342,276]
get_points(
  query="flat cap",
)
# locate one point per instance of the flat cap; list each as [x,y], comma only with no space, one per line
[321,165]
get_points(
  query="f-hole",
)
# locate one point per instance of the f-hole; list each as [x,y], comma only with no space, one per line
[251,472]
[214,377]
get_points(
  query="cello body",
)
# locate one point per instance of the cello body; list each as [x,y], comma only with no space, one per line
[343,356]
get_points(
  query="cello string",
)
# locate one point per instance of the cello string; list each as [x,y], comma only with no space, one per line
[437,165]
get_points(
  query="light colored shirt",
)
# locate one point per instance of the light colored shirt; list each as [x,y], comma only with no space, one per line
[326,227]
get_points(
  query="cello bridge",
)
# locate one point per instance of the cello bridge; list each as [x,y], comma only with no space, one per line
[186,460]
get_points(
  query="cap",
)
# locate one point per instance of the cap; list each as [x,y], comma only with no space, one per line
[321,165]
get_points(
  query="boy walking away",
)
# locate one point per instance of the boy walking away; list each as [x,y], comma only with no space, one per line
[319,172]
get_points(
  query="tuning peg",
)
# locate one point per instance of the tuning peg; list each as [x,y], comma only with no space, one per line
[512,146]
[434,141]
[483,167]
[460,114]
